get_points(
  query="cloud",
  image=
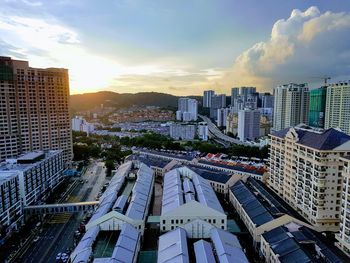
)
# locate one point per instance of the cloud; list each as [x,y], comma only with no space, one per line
[306,45]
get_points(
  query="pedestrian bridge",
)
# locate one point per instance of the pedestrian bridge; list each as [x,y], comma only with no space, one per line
[60,208]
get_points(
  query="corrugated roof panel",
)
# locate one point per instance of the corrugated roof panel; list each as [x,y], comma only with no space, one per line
[125,249]
[173,247]
[203,252]
[188,186]
[227,246]
[120,203]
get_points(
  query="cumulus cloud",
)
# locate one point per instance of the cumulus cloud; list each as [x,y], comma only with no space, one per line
[306,45]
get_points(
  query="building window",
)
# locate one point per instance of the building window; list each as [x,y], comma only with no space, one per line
[163,221]
[172,221]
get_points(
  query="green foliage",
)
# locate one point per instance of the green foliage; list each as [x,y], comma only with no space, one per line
[110,166]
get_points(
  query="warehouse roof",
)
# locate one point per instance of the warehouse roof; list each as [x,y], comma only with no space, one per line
[256,211]
[224,247]
[173,247]
[179,182]
[227,246]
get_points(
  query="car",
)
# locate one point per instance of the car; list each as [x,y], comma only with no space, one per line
[36,239]
[38,224]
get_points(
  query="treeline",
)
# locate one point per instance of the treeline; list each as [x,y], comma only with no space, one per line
[109,148]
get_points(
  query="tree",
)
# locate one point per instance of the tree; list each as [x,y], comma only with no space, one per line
[110,166]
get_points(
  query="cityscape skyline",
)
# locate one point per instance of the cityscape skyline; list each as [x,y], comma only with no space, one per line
[157,51]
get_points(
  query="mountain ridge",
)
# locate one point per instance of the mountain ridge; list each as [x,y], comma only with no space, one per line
[87,101]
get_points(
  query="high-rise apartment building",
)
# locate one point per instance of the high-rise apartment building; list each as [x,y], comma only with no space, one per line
[245,91]
[202,131]
[291,105]
[338,106]
[187,109]
[234,96]
[222,116]
[208,94]
[306,171]
[267,100]
[248,124]
[343,237]
[317,107]
[34,113]
[217,102]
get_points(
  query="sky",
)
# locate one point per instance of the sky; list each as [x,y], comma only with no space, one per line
[180,47]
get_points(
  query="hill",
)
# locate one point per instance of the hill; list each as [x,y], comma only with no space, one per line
[89,101]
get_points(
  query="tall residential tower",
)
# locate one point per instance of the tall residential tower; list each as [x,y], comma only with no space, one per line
[34,113]
[338,106]
[291,105]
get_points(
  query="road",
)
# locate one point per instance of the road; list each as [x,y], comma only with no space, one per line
[58,236]
[214,131]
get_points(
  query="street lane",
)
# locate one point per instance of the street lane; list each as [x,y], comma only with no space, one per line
[58,237]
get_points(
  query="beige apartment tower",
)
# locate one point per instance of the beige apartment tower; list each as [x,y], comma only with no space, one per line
[306,171]
[34,111]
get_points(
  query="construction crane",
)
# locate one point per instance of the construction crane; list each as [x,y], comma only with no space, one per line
[325,78]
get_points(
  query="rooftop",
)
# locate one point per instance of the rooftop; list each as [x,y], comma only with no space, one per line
[222,246]
[296,243]
[27,161]
[235,166]
[182,185]
[316,139]
[117,192]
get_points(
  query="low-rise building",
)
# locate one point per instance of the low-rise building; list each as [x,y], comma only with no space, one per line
[188,197]
[126,199]
[259,210]
[121,213]
[126,249]
[219,246]
[292,242]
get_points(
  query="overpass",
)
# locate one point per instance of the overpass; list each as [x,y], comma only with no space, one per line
[216,133]
[60,208]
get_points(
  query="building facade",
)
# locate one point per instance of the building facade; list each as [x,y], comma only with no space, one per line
[27,180]
[182,131]
[291,105]
[208,94]
[248,124]
[10,202]
[305,170]
[343,237]
[202,131]
[317,107]
[34,114]
[188,197]
[234,96]
[337,106]
[222,116]
[187,109]
[80,124]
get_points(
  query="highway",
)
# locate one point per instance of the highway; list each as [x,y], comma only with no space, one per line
[217,134]
[58,235]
